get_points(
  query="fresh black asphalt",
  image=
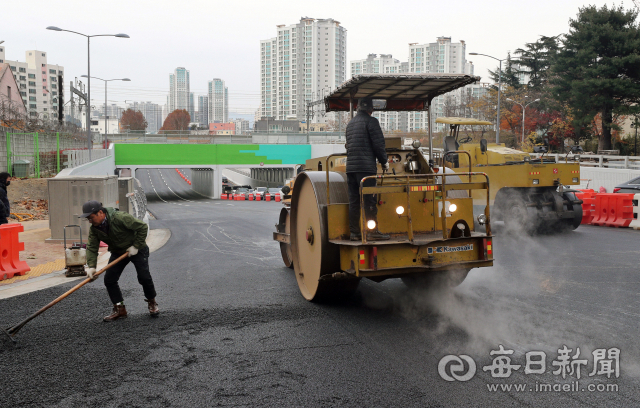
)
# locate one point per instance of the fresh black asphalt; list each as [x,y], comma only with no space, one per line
[234,330]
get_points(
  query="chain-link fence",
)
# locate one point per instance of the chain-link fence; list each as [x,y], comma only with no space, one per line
[36,154]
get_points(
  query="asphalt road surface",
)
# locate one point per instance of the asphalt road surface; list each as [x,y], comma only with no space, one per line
[234,330]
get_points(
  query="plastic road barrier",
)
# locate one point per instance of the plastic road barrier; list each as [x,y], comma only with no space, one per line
[588,205]
[10,263]
[635,223]
[613,210]
[223,196]
[277,198]
[624,211]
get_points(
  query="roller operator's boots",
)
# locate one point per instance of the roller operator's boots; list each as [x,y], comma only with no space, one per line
[153,307]
[119,312]
[378,236]
[355,237]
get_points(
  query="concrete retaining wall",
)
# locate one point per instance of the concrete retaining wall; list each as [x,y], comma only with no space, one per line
[607,178]
[105,166]
[203,181]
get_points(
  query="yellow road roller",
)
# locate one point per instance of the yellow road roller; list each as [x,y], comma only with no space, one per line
[531,195]
[427,209]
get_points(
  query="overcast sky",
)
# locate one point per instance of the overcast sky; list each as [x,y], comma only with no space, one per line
[216,39]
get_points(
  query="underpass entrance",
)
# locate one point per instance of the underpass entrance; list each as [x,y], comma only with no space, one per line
[248,164]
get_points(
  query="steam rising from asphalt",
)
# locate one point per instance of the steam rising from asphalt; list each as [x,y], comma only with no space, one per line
[531,300]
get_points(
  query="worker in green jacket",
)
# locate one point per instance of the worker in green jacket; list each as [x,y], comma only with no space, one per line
[124,234]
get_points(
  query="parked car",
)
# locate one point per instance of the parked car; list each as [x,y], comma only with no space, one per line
[272,192]
[259,191]
[632,186]
[242,193]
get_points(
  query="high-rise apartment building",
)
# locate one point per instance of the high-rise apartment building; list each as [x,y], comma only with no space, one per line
[38,81]
[218,101]
[192,108]
[113,111]
[441,56]
[242,126]
[152,113]
[373,64]
[203,109]
[179,90]
[301,64]
[396,68]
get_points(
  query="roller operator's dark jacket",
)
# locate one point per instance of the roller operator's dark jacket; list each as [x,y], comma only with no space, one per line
[124,230]
[365,144]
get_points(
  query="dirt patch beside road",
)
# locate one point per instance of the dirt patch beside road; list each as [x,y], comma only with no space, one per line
[29,196]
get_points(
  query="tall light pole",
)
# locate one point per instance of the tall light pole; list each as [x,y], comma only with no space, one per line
[523,109]
[106,122]
[499,89]
[53,28]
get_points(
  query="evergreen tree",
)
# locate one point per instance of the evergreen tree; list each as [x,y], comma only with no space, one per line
[535,60]
[509,74]
[597,69]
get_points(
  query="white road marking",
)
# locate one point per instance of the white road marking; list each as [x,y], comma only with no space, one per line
[154,189]
[165,182]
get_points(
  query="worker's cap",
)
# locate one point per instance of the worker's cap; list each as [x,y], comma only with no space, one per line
[365,104]
[90,207]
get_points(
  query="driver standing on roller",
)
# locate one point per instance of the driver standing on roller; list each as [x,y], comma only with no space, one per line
[365,143]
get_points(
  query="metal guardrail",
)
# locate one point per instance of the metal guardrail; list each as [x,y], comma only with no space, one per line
[77,158]
[597,160]
[138,200]
[586,160]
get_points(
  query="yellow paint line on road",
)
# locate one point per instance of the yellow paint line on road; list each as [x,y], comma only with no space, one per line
[36,271]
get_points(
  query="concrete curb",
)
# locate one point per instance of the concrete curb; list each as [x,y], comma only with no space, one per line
[156,240]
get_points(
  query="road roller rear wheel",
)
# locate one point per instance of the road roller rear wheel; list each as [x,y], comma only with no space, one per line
[285,226]
[436,280]
[517,219]
[576,220]
[313,256]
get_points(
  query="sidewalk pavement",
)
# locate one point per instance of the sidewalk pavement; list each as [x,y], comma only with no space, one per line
[47,260]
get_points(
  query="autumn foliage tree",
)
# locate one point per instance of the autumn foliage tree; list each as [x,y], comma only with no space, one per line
[133,120]
[177,120]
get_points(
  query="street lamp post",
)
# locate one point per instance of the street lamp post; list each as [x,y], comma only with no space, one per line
[53,28]
[636,124]
[499,89]
[106,122]
[523,109]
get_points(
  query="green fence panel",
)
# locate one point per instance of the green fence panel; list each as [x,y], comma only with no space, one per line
[9,167]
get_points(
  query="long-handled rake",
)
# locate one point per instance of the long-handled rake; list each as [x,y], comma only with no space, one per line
[11,331]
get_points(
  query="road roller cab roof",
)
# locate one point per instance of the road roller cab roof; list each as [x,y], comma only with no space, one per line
[405,92]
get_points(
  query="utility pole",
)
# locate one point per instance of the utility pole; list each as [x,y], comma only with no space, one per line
[310,114]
